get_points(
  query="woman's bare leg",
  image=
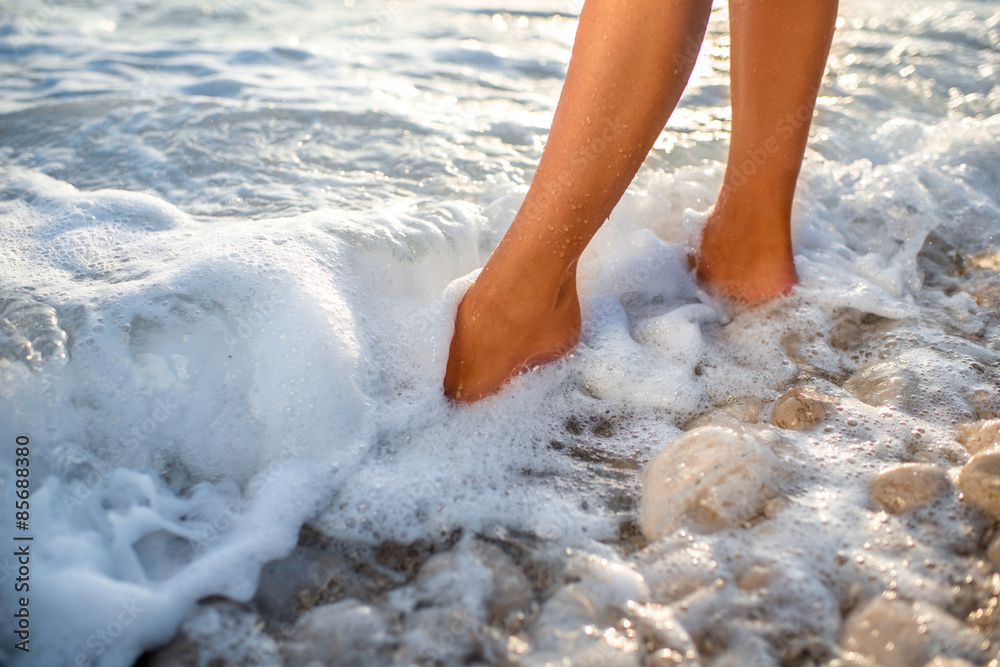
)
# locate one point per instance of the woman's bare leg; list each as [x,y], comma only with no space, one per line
[779,51]
[630,63]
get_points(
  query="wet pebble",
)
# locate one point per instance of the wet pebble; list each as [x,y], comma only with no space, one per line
[884,383]
[30,331]
[993,552]
[980,436]
[941,661]
[345,632]
[710,478]
[758,576]
[801,408]
[908,486]
[219,632]
[979,481]
[584,617]
[672,644]
[885,632]
[738,412]
[442,635]
[472,574]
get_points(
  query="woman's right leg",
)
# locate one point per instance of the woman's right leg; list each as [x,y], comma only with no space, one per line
[778,55]
[630,63]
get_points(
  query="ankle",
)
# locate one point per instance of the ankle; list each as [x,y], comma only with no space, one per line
[522,272]
[754,220]
[745,251]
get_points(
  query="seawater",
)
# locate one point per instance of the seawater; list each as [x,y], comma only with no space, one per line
[227,232]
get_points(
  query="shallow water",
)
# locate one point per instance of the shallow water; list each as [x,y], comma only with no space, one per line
[225,233]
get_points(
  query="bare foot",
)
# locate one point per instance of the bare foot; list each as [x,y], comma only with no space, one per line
[507,324]
[747,259]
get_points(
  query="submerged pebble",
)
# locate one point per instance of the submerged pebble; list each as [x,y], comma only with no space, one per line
[801,408]
[710,478]
[908,486]
[941,661]
[979,481]
[885,632]
[345,632]
[475,573]
[737,412]
[993,553]
[758,576]
[30,331]
[671,644]
[980,436]
[586,617]
[884,384]
[218,632]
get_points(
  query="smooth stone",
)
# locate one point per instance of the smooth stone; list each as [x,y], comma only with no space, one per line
[219,632]
[941,661]
[583,618]
[675,570]
[979,481]
[884,384]
[748,651]
[758,576]
[732,659]
[885,632]
[659,625]
[739,412]
[801,408]
[345,632]
[908,486]
[980,436]
[437,635]
[475,573]
[711,478]
[598,593]
[993,552]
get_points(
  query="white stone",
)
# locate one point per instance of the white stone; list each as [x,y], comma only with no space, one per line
[980,436]
[737,412]
[474,575]
[673,645]
[908,486]
[885,632]
[801,408]
[347,631]
[711,478]
[941,661]
[993,553]
[884,383]
[979,481]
